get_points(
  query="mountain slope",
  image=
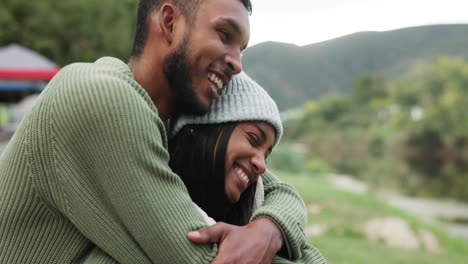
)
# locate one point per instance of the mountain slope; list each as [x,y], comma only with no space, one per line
[294,74]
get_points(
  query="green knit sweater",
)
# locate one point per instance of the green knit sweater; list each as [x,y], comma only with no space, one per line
[86,179]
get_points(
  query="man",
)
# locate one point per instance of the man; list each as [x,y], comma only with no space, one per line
[86,176]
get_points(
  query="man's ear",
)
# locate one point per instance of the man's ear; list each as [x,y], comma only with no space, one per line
[167,20]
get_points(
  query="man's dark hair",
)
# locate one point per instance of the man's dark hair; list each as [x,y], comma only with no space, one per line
[187,8]
[197,155]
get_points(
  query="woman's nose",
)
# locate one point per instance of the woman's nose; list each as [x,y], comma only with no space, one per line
[258,162]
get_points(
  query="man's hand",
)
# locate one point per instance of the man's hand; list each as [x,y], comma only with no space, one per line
[257,242]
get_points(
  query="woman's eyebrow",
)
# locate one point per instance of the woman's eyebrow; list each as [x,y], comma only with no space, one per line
[263,135]
[261,131]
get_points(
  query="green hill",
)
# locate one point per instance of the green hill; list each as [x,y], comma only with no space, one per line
[294,74]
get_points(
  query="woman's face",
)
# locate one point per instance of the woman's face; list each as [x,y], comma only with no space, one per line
[248,147]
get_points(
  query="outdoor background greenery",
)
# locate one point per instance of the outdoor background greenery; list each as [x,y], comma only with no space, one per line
[409,134]
[345,212]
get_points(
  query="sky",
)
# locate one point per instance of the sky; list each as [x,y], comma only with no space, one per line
[303,22]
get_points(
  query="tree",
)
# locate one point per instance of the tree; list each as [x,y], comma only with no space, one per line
[69,30]
[368,87]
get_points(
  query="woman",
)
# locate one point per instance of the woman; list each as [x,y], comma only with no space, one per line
[221,155]
[228,148]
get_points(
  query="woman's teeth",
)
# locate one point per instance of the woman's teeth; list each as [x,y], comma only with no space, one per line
[243,175]
[216,80]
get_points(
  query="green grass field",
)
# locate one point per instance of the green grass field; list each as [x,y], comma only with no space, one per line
[343,212]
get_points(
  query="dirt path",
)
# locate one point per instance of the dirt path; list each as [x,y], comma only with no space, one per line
[431,210]
[434,211]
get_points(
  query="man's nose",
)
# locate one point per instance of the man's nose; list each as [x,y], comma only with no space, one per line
[233,61]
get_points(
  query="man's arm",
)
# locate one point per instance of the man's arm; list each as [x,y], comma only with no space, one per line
[110,157]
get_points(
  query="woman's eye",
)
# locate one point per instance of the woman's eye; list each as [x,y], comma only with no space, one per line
[253,139]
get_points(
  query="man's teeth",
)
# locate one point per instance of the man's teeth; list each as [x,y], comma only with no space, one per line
[243,175]
[216,80]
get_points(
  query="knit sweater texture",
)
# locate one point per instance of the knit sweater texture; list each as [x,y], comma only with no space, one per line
[85,179]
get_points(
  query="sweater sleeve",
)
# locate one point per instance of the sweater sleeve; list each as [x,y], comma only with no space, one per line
[111,165]
[285,207]
[309,255]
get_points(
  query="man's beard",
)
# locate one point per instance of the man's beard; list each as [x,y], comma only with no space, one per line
[177,69]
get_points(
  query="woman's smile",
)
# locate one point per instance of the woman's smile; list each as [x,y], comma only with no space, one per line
[242,175]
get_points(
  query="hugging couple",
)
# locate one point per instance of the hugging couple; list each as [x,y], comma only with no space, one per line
[158,160]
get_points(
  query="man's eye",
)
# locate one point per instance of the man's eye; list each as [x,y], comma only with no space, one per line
[224,34]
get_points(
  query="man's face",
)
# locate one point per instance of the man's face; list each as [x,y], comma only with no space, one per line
[205,60]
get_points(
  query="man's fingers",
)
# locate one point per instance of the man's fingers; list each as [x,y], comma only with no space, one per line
[208,234]
[195,236]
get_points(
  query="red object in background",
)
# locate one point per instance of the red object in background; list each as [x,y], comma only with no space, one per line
[28,74]
[18,63]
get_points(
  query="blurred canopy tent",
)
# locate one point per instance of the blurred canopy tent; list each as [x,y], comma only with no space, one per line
[23,70]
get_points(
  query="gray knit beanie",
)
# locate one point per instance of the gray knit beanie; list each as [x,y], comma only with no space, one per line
[242,100]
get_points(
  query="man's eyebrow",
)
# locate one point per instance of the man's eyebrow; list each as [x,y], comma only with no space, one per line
[235,27]
[233,24]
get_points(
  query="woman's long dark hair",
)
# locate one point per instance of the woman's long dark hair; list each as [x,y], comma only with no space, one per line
[198,155]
